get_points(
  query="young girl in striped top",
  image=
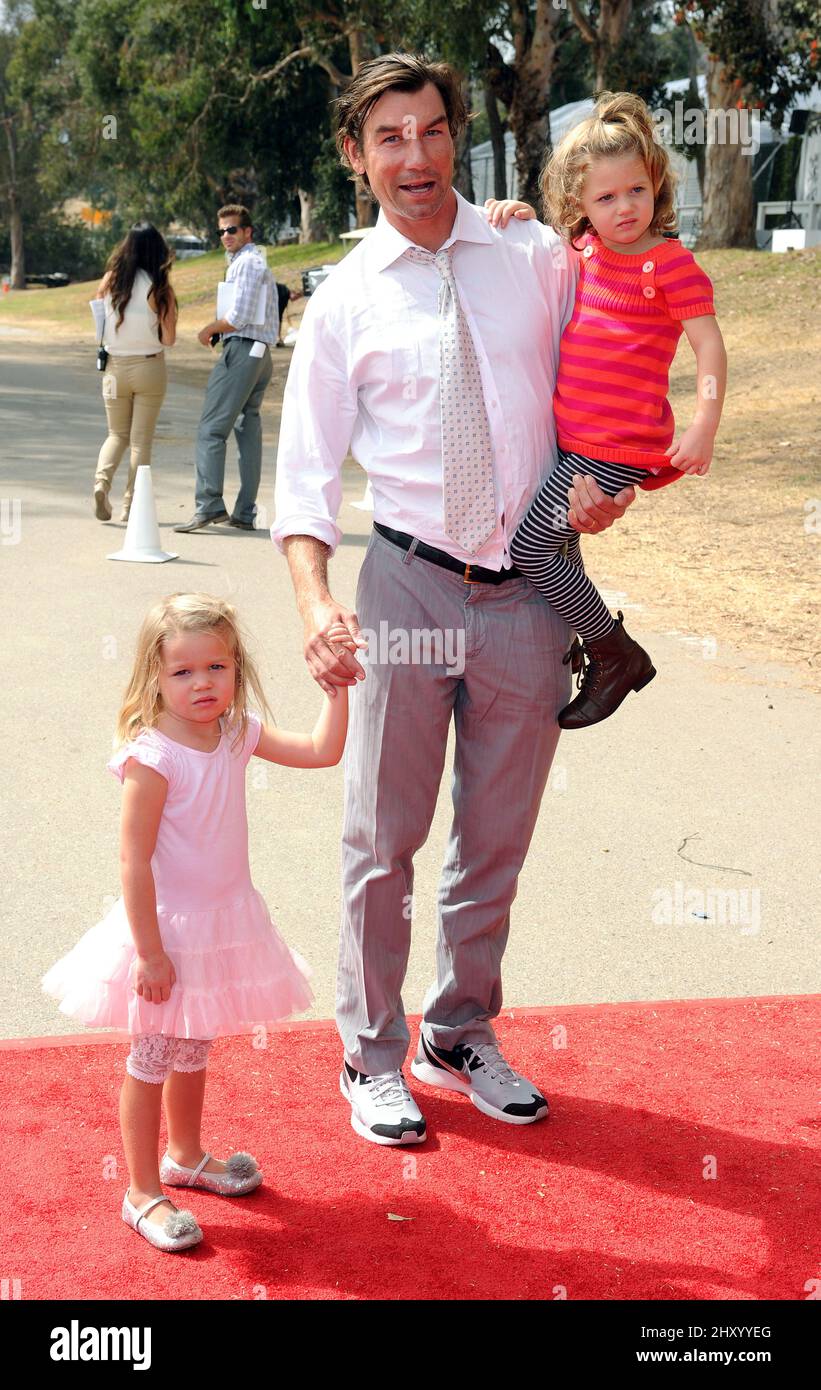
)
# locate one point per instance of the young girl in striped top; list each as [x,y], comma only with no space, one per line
[608,189]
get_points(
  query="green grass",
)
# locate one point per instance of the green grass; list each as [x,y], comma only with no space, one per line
[194,282]
[741,279]
[761,266]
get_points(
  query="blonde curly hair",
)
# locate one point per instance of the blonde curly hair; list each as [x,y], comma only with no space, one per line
[622,124]
[170,617]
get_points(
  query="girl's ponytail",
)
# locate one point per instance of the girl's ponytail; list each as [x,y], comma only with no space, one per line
[621,124]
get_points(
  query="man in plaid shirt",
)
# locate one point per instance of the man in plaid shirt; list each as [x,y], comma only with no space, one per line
[237,384]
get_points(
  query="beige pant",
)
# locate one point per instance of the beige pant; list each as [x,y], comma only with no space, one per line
[133,392]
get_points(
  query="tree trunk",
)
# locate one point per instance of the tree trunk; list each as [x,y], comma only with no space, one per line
[365,207]
[18,258]
[529,110]
[729,216]
[497,141]
[463,173]
[17,278]
[694,101]
[358,51]
[614,17]
[529,119]
[308,230]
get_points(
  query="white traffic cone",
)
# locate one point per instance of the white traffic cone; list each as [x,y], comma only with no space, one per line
[142,537]
[366,505]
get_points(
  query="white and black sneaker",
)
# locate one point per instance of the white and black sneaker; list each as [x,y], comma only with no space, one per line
[382,1108]
[482,1073]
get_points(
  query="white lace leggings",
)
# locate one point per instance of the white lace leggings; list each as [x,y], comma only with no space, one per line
[153,1056]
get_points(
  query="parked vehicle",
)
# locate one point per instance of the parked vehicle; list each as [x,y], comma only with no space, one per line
[55,281]
[187,246]
[314,276]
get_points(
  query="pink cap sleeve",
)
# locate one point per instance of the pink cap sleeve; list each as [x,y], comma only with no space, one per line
[687,289]
[151,752]
[252,734]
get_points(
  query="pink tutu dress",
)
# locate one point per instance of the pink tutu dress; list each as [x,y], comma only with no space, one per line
[234,970]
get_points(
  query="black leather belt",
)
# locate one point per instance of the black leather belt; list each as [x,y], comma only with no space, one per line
[471,574]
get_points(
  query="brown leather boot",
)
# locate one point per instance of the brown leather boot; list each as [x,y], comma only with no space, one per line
[616,666]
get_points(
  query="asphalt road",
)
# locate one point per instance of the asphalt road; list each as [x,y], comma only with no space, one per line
[716,762]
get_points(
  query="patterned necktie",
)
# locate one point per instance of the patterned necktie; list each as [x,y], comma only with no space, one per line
[469,502]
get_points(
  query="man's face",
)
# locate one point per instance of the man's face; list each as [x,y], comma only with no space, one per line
[407,152]
[240,236]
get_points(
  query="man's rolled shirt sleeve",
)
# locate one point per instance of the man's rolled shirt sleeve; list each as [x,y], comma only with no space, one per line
[319,410]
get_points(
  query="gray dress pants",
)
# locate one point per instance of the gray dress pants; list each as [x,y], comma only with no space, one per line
[233,399]
[504,703]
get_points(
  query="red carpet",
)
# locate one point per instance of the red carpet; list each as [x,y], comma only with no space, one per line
[606,1200]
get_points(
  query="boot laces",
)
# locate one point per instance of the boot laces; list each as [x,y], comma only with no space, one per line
[388,1088]
[495,1063]
[590,675]
[580,652]
[574,650]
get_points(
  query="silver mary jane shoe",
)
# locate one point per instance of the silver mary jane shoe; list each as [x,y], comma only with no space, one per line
[241,1175]
[179,1232]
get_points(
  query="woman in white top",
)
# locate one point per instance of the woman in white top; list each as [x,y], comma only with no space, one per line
[140,322]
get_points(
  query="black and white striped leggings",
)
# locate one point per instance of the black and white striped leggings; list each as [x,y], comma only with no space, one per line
[543,531]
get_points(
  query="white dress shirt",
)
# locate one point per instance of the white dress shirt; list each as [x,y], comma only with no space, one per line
[365,376]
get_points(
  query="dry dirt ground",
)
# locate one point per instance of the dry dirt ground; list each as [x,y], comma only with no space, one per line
[735,556]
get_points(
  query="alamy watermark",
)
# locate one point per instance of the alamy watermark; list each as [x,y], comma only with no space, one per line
[694,125]
[678,906]
[76,1343]
[415,646]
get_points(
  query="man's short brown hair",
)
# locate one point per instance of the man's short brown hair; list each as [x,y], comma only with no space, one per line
[238,211]
[395,72]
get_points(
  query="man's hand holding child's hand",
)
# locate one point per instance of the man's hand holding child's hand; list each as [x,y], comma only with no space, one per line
[340,637]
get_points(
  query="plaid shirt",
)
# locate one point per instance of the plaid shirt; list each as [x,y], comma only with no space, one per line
[247,269]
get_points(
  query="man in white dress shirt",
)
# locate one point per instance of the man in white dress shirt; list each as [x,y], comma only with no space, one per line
[367,374]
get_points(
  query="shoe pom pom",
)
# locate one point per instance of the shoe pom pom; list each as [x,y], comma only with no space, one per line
[181,1223]
[241,1165]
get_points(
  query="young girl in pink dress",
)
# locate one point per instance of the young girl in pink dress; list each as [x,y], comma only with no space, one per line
[608,190]
[189,952]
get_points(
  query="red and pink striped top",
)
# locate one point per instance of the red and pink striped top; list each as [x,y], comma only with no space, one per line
[610,400]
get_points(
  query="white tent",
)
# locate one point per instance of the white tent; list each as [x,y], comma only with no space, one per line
[688,193]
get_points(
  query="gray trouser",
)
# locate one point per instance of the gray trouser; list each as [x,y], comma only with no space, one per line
[233,399]
[505,703]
